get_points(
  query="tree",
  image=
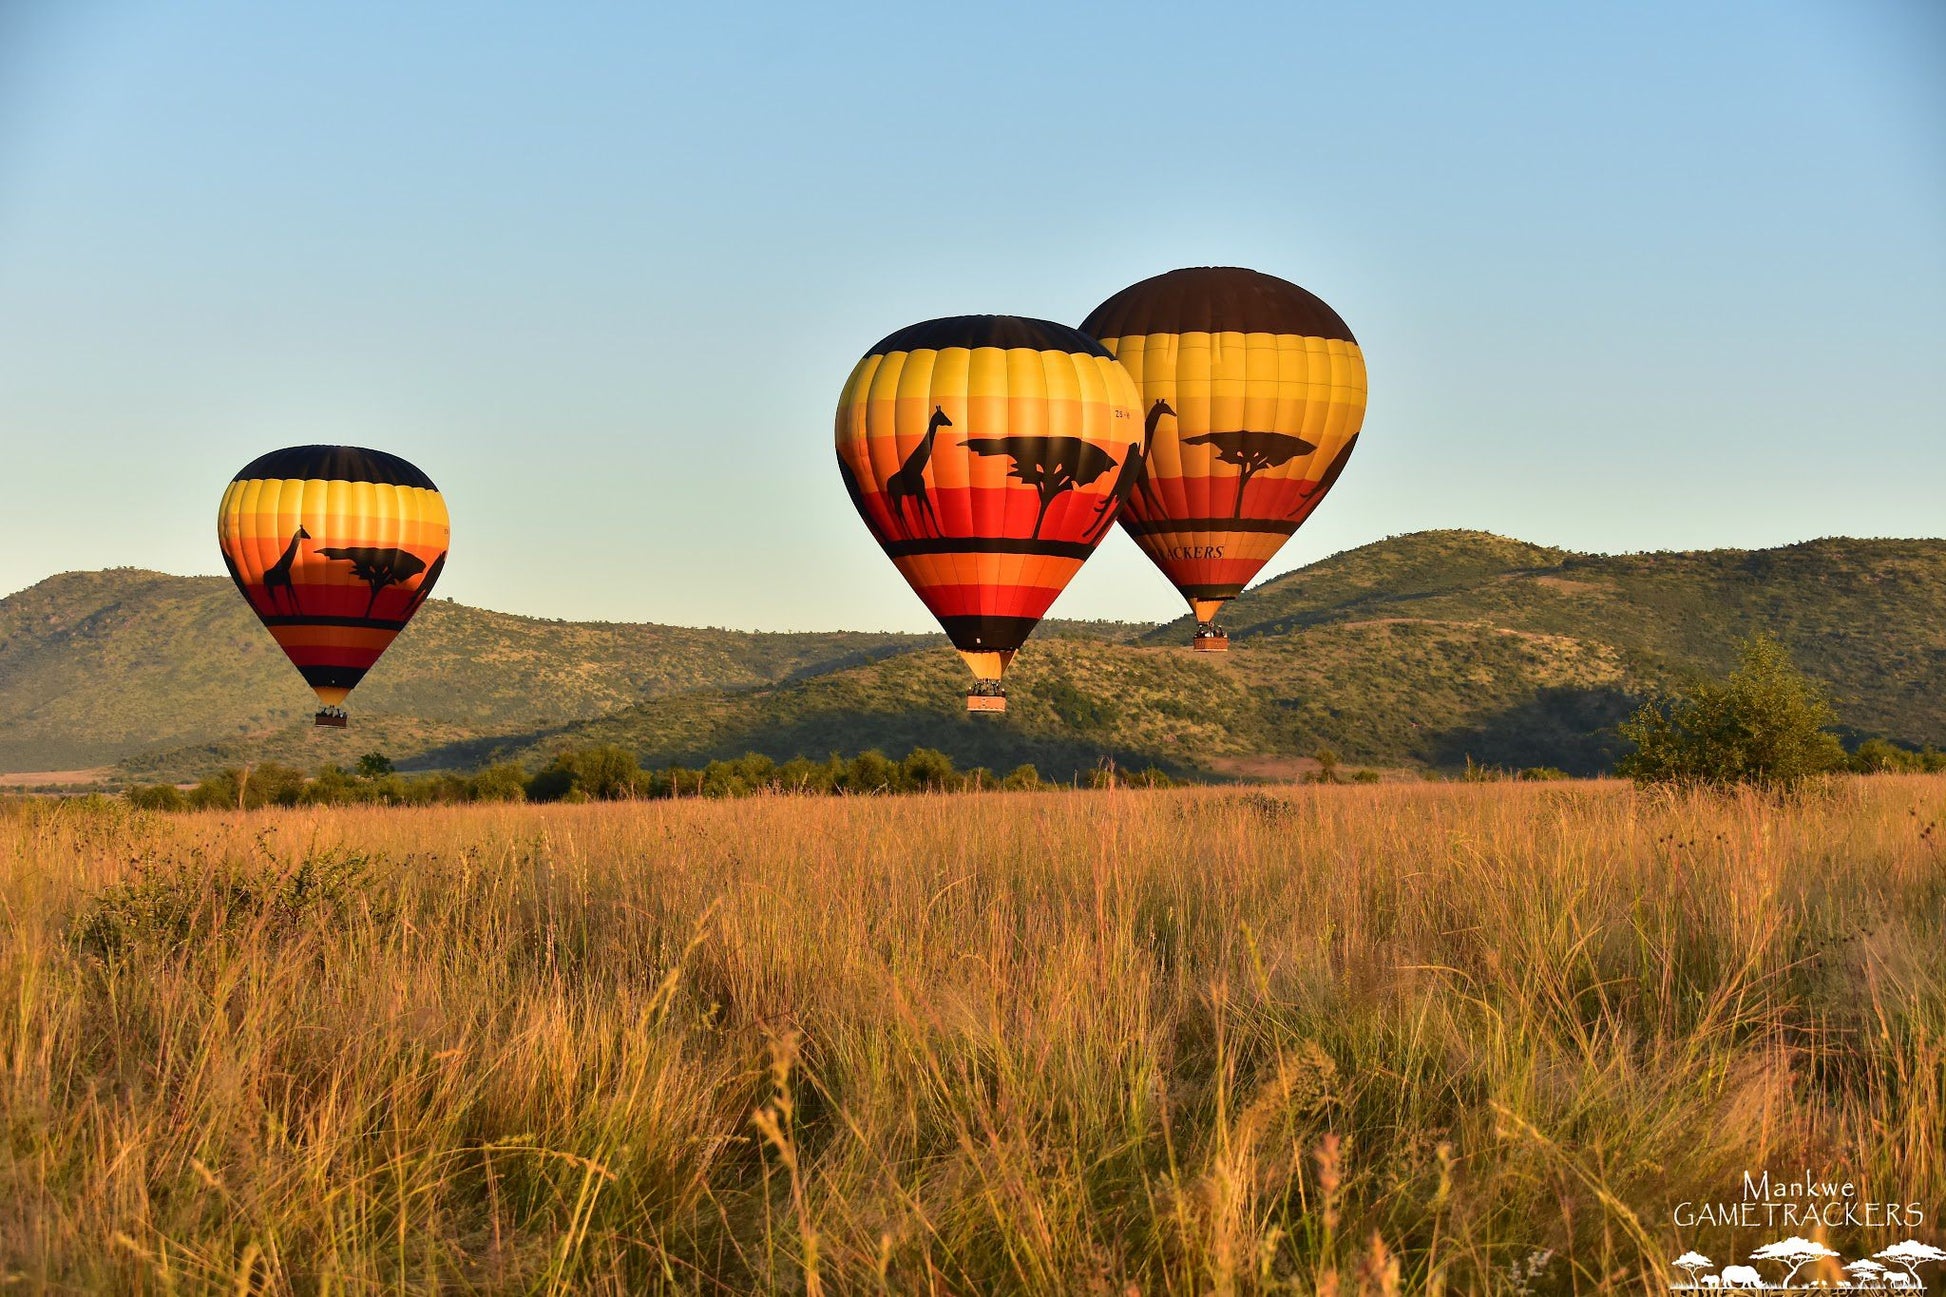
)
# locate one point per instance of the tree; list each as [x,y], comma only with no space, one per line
[1910,1255]
[374,765]
[1794,1252]
[1022,778]
[1691,1262]
[607,772]
[505,782]
[871,771]
[928,770]
[1764,725]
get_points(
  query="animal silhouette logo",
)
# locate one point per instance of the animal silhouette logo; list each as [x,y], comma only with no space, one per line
[1134,473]
[278,575]
[909,483]
[1306,494]
[424,592]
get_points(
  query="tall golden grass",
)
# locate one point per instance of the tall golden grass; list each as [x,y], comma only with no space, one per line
[1470,1038]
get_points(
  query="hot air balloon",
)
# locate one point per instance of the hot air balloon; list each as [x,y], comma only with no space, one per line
[988,454]
[336,548]
[1253,391]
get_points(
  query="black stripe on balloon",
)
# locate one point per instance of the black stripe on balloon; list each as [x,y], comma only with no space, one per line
[1211,591]
[359,623]
[335,464]
[1279,526]
[1005,331]
[988,634]
[1215,299]
[332,677]
[992,545]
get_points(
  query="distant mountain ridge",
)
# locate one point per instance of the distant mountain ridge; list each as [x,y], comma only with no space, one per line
[96,667]
[1424,649]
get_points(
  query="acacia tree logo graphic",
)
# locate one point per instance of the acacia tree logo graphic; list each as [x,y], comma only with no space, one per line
[1796,1253]
[1252,453]
[1050,465]
[1911,1254]
[377,568]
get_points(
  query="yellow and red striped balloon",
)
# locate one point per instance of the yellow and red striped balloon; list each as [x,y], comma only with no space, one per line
[1253,391]
[988,454]
[335,547]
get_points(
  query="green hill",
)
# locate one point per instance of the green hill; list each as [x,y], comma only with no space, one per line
[99,667]
[1420,650]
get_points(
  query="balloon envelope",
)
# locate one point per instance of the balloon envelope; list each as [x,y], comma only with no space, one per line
[1253,391]
[988,454]
[335,548]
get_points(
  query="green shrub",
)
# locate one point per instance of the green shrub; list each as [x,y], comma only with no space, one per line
[603,773]
[1764,726]
[871,771]
[606,772]
[553,782]
[156,797]
[1882,757]
[927,770]
[374,765]
[803,775]
[750,773]
[1543,774]
[505,782]
[1327,771]
[1023,778]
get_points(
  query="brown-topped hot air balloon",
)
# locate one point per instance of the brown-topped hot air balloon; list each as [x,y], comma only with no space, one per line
[988,455]
[1253,391]
[335,548]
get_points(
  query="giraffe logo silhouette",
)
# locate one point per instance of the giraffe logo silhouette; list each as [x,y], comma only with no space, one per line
[1134,473]
[278,575]
[910,481]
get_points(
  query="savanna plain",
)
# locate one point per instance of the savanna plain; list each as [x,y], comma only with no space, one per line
[1471,1038]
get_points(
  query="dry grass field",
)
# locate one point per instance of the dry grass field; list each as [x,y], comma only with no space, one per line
[1460,1038]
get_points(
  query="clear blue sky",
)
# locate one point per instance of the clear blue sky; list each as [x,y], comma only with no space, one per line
[1628,276]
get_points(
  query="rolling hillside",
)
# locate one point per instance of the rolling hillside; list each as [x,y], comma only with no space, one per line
[96,667]
[1419,650]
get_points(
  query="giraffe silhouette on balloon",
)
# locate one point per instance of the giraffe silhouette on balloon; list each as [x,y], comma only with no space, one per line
[1134,471]
[278,575]
[910,480]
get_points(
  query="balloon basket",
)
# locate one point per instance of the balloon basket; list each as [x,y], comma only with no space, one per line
[984,697]
[333,717]
[1210,637]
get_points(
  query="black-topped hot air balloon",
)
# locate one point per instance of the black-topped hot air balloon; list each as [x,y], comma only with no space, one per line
[987,453]
[1253,391]
[335,547]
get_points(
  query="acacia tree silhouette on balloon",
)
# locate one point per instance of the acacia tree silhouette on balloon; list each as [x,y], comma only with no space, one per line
[377,568]
[1050,465]
[1252,452]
